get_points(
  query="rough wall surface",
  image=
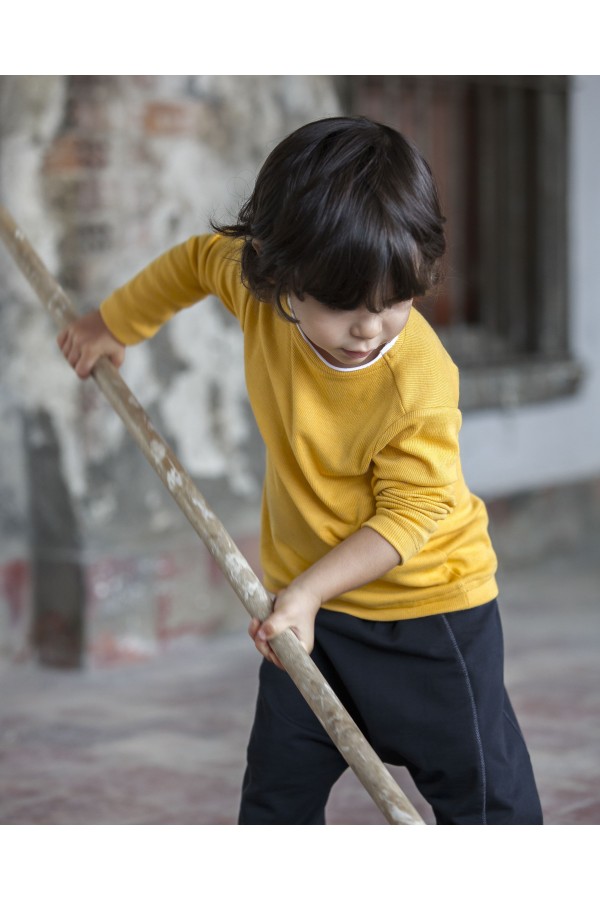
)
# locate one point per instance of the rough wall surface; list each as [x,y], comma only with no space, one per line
[103,173]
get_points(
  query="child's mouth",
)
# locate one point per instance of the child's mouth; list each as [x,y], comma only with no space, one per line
[359,354]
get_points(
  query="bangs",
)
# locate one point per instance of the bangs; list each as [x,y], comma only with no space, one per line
[364,268]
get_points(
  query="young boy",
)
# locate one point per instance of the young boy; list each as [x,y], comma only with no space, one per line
[376,551]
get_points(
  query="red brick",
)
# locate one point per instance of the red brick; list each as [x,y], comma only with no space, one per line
[161,118]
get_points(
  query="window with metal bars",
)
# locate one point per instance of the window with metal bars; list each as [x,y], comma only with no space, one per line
[498,149]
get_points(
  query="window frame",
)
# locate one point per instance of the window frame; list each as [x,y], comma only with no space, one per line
[498,146]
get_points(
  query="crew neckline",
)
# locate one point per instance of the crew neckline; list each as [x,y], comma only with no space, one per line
[366,365]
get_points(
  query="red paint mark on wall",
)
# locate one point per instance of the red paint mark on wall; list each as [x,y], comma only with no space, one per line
[15,581]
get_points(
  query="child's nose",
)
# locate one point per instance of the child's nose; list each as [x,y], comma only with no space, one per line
[367,326]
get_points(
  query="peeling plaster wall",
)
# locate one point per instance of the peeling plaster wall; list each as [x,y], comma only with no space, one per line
[103,173]
[30,111]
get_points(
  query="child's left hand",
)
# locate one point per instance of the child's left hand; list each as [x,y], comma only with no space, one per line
[294,608]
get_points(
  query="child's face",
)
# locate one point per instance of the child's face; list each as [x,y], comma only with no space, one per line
[349,337]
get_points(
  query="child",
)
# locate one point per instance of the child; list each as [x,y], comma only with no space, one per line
[377,553]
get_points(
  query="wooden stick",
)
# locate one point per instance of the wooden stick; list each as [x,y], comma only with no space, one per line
[351,743]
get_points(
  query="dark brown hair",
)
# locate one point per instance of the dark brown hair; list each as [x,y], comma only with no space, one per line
[345,210]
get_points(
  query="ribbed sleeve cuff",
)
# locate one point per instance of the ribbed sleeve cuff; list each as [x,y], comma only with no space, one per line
[407,542]
[118,326]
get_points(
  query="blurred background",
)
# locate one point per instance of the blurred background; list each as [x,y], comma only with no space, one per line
[98,568]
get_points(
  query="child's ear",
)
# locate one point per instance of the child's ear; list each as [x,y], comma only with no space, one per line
[256,244]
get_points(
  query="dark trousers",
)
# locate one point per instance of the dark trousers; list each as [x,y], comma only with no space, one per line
[427,693]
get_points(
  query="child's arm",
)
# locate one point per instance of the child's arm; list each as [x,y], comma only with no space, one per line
[175,280]
[86,340]
[414,479]
[361,558]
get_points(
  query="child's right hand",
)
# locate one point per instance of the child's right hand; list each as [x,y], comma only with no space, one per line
[294,608]
[86,340]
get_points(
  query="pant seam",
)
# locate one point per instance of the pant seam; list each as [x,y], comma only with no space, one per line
[475,721]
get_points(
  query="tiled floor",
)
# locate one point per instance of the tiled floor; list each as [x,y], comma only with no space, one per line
[162,742]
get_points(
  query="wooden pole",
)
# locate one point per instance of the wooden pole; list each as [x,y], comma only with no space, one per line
[351,743]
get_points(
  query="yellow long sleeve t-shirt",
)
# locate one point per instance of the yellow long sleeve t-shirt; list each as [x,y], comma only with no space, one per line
[374,446]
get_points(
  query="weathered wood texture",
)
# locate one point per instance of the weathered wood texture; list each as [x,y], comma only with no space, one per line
[351,743]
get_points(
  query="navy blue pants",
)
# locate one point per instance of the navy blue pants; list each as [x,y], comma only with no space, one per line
[427,693]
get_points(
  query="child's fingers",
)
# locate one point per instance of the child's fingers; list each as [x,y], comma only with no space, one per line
[269,654]
[118,358]
[277,623]
[64,340]
[84,341]
[67,345]
[81,354]
[84,364]
[261,645]
[72,354]
[273,626]
[75,356]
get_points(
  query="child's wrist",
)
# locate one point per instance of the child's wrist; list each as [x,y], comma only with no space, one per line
[310,595]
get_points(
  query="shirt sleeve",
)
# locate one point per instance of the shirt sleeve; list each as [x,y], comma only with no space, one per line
[414,479]
[177,279]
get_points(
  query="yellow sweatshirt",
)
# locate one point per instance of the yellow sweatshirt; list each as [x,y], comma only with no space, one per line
[375,446]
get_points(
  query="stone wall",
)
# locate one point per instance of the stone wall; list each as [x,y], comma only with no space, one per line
[103,173]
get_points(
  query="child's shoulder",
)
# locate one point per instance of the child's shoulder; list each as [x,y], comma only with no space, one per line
[215,262]
[425,373]
[424,339]
[209,249]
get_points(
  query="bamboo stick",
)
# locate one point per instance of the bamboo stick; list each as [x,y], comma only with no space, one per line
[351,743]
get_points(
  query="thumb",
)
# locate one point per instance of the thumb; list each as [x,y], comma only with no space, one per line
[271,627]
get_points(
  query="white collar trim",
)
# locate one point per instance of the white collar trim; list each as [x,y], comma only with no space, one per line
[329,365]
[383,350]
